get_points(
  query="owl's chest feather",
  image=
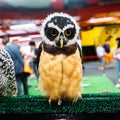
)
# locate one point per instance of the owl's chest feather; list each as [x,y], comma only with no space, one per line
[52,64]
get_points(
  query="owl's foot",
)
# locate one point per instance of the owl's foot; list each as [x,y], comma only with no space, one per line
[49,102]
[75,100]
[80,95]
[59,102]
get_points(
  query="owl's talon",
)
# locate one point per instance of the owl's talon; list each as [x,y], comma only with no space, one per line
[59,102]
[75,100]
[80,96]
[49,102]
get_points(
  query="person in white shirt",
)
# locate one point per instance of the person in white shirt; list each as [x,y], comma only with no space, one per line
[100,53]
[117,54]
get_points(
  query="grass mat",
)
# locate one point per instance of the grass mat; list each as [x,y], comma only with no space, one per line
[90,103]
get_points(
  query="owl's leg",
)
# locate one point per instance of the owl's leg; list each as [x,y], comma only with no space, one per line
[59,102]
[75,100]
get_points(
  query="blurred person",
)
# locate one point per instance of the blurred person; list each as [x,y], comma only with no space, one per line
[33,57]
[117,55]
[14,50]
[100,53]
[108,57]
[26,72]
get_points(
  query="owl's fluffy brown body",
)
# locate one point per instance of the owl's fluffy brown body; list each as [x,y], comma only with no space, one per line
[60,75]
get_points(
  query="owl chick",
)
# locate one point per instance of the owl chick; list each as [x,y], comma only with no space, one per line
[60,67]
[7,75]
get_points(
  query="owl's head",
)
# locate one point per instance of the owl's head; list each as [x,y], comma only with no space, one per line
[59,30]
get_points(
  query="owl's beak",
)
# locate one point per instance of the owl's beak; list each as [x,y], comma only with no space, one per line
[61,43]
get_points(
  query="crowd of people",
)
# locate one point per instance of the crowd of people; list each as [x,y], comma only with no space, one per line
[21,59]
[106,57]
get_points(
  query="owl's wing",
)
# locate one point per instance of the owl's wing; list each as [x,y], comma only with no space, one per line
[79,47]
[80,51]
[39,53]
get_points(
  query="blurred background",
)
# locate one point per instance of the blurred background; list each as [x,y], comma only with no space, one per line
[21,20]
[98,19]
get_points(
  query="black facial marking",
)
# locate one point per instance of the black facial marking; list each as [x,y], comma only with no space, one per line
[70,33]
[51,33]
[61,22]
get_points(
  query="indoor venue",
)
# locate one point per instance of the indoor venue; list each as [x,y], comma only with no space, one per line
[99,21]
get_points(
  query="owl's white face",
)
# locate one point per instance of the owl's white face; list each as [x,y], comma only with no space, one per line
[59,30]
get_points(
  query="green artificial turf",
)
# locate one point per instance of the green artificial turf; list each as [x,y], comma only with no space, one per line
[90,84]
[33,87]
[98,84]
[90,103]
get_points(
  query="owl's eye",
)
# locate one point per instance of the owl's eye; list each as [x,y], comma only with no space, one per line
[53,32]
[68,33]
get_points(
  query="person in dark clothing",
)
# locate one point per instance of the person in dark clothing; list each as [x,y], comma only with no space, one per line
[33,57]
[107,47]
[15,53]
[108,57]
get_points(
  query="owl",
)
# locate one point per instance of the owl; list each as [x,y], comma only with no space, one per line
[8,85]
[59,66]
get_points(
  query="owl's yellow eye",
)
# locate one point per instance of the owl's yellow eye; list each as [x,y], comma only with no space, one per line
[67,33]
[53,32]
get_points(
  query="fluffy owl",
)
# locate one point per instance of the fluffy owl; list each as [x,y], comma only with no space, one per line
[7,75]
[60,68]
